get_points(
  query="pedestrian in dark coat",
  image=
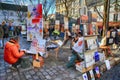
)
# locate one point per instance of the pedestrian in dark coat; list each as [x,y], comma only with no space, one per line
[1,36]
[6,30]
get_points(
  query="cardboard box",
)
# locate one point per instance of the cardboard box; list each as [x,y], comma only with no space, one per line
[36,63]
[82,68]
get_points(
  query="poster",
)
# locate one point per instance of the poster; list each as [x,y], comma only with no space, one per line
[79,45]
[107,63]
[34,22]
[84,19]
[94,17]
[97,71]
[65,22]
[119,16]
[57,25]
[85,77]
[37,46]
[92,75]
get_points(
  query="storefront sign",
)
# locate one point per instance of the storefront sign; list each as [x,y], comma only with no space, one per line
[92,3]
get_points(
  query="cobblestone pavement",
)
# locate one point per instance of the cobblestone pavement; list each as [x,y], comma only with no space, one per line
[53,69]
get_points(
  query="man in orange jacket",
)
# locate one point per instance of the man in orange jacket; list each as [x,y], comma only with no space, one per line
[12,54]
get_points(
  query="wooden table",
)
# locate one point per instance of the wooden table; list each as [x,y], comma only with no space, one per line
[105,48]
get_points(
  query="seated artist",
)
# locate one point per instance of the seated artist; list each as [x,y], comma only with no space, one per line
[75,39]
[12,54]
[75,57]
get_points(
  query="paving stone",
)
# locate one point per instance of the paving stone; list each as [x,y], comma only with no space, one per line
[48,70]
[32,72]
[2,68]
[15,73]
[39,73]
[57,79]
[51,73]
[54,71]
[36,69]
[42,77]
[2,71]
[51,69]
[45,73]
[9,74]
[3,78]
[65,75]
[48,77]
[61,72]
[3,74]
[30,79]
[62,69]
[35,77]
[9,77]
[72,76]
[16,78]
[28,76]
[8,70]
[79,78]
[56,74]
[42,70]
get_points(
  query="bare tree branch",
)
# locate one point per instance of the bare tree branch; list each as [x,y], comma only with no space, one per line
[68,6]
[47,7]
[98,12]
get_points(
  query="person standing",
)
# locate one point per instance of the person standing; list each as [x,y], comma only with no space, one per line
[1,37]
[6,30]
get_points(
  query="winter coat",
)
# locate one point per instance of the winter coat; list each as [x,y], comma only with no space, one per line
[5,28]
[12,53]
[1,32]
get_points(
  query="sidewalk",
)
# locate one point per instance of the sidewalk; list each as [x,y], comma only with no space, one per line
[54,69]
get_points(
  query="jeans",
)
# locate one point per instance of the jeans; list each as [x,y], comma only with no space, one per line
[17,63]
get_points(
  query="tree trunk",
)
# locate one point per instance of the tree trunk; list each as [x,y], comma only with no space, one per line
[106,17]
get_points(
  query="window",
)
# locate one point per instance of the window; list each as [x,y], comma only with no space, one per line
[73,4]
[79,11]
[80,2]
[73,11]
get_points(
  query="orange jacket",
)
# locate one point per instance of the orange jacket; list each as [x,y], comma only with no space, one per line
[11,52]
